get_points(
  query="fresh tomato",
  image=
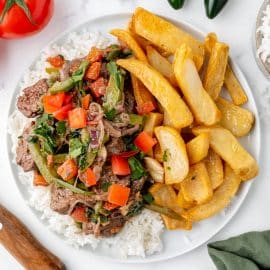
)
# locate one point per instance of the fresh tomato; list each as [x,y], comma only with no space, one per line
[110,206]
[86,101]
[77,118]
[68,169]
[56,100]
[16,23]
[88,177]
[56,61]
[120,165]
[145,142]
[94,55]
[118,194]
[39,180]
[93,71]
[128,154]
[79,214]
[98,88]
[62,113]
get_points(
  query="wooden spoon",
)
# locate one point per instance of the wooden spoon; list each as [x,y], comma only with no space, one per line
[17,239]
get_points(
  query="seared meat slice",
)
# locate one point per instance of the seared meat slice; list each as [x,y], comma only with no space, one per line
[99,162]
[110,130]
[108,176]
[130,130]
[129,103]
[23,156]
[29,103]
[115,146]
[137,185]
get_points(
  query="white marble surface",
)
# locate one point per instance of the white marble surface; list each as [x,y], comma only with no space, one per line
[235,26]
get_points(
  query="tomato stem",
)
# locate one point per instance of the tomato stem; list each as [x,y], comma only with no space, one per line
[9,4]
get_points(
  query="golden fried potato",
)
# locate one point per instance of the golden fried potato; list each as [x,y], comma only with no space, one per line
[209,42]
[161,64]
[155,169]
[197,148]
[230,150]
[158,154]
[176,224]
[215,72]
[197,187]
[171,101]
[152,120]
[236,119]
[175,159]
[221,198]
[214,168]
[203,107]
[234,88]
[129,40]
[164,195]
[182,202]
[165,35]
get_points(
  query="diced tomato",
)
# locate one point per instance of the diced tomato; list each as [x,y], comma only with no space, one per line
[77,118]
[56,61]
[120,165]
[57,100]
[110,206]
[50,161]
[86,101]
[48,108]
[68,169]
[128,154]
[93,71]
[88,177]
[145,142]
[118,194]
[79,214]
[68,99]
[39,180]
[98,88]
[94,55]
[146,108]
[62,113]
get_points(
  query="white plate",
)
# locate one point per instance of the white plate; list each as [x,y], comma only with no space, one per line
[175,242]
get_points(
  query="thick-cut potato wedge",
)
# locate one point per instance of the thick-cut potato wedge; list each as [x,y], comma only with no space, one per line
[167,121]
[182,202]
[152,120]
[221,198]
[129,40]
[197,186]
[234,88]
[175,159]
[203,107]
[238,120]
[171,101]
[165,35]
[214,168]
[141,93]
[230,150]
[155,169]
[164,195]
[161,64]
[216,68]
[176,224]
[209,42]
[158,154]
[197,148]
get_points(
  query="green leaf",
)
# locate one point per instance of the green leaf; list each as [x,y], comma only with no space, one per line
[75,147]
[105,186]
[136,119]
[79,73]
[148,198]
[135,208]
[137,170]
[110,115]
[61,127]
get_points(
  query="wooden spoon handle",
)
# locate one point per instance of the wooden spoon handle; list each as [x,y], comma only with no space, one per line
[23,246]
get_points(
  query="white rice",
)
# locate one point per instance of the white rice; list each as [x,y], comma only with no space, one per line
[141,235]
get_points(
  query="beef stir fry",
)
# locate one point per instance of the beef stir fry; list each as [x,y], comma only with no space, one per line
[86,140]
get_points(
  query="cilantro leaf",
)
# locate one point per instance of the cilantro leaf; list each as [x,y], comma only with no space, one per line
[137,170]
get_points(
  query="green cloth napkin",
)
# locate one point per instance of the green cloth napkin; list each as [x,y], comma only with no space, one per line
[248,251]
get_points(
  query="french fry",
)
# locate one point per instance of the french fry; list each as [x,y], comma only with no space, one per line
[158,154]
[214,168]
[164,195]
[234,88]
[182,202]
[128,39]
[209,42]
[215,72]
[171,101]
[161,64]
[175,159]
[165,35]
[155,169]
[176,224]
[197,187]
[152,120]
[221,198]
[236,119]
[230,150]
[197,148]
[203,107]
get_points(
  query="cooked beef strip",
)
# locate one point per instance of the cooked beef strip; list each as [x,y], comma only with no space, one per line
[130,130]
[99,162]
[29,102]
[129,104]
[64,200]
[110,130]
[115,146]
[117,222]
[137,185]
[108,176]
[23,156]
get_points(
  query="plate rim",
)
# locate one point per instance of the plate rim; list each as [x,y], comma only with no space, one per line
[132,259]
